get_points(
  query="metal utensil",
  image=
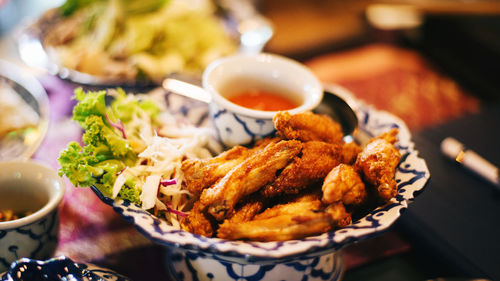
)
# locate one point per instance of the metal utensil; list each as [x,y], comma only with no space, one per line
[337,108]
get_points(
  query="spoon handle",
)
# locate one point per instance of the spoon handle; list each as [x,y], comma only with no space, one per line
[186,89]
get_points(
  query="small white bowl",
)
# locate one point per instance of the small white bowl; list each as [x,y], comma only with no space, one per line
[234,74]
[29,187]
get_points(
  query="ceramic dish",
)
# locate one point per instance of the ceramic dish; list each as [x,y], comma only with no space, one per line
[315,256]
[59,268]
[17,86]
[242,22]
[35,190]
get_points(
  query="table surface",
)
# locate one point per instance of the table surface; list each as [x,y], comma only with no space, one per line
[381,71]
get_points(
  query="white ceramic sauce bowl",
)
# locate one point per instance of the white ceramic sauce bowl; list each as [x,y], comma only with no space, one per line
[268,72]
[27,186]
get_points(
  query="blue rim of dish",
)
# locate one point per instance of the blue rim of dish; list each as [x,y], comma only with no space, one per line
[411,176]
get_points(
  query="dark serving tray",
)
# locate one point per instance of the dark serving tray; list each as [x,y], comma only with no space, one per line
[456,217]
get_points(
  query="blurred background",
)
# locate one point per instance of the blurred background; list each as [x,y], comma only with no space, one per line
[433,63]
[462,36]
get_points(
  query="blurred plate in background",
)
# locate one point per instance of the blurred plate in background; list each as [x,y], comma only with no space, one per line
[24,109]
[113,44]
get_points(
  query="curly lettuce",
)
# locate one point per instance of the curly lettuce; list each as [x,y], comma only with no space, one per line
[105,151]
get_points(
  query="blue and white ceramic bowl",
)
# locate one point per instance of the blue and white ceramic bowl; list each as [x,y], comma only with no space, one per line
[59,268]
[236,74]
[193,257]
[29,187]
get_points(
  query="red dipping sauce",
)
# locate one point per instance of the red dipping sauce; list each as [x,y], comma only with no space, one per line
[262,100]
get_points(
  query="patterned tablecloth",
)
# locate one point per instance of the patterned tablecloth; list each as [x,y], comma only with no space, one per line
[394,79]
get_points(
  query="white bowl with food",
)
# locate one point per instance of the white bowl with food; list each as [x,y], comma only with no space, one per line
[139,42]
[247,90]
[181,197]
[30,194]
[24,112]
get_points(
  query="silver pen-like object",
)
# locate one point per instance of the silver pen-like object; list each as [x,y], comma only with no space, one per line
[471,160]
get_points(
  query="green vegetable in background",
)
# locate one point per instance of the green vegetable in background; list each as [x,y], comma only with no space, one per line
[105,151]
[140,38]
[132,6]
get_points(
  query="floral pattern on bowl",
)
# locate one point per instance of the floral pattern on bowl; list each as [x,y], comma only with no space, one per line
[59,268]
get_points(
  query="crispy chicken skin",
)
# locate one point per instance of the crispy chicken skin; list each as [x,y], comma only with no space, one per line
[197,222]
[377,163]
[200,174]
[293,205]
[261,144]
[294,220]
[349,153]
[307,126]
[248,209]
[248,177]
[310,167]
[343,184]
[390,136]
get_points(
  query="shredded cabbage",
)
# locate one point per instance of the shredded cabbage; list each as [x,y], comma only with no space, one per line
[157,144]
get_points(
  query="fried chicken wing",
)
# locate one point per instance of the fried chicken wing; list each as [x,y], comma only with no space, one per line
[261,144]
[200,174]
[349,153]
[294,205]
[294,220]
[343,184]
[377,164]
[316,160]
[198,222]
[248,209]
[307,126]
[390,136]
[248,177]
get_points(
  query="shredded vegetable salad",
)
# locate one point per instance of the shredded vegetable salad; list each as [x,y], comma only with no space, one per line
[138,39]
[133,149]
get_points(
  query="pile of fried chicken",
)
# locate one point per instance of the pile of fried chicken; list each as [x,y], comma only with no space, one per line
[302,182]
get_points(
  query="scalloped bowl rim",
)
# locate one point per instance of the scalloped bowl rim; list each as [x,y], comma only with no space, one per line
[373,224]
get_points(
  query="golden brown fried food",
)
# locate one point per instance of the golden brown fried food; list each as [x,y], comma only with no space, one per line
[349,153]
[377,164]
[307,126]
[248,177]
[248,209]
[201,174]
[294,220]
[343,184]
[261,144]
[237,186]
[293,205]
[316,160]
[198,222]
[390,136]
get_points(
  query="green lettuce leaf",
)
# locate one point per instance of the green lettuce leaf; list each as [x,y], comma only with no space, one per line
[104,151]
